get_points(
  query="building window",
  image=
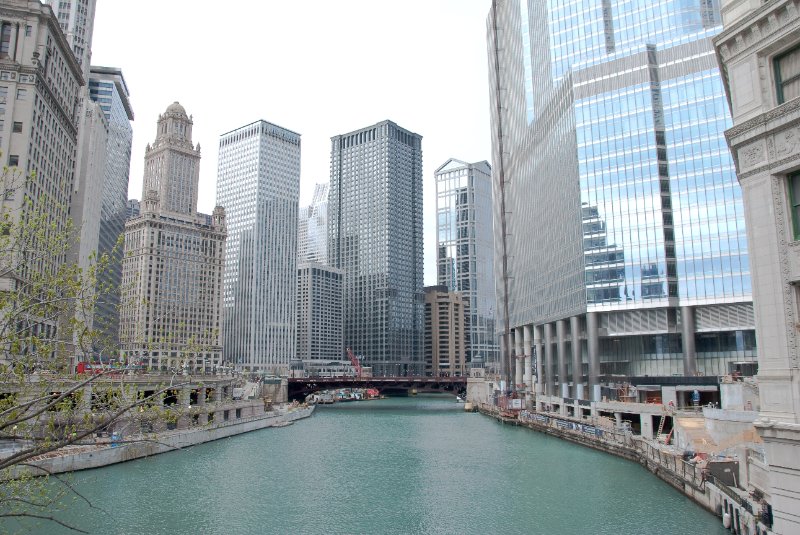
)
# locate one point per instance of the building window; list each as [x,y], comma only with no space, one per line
[794,200]
[5,39]
[13,160]
[17,127]
[787,75]
[22,94]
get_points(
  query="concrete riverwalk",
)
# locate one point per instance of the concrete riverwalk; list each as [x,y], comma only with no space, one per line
[695,480]
[98,454]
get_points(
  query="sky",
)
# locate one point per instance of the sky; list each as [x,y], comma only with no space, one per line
[317,67]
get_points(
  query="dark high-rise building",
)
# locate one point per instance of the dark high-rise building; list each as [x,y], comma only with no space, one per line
[375,238]
[107,87]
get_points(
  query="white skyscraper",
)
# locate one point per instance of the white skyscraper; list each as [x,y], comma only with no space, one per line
[258,183]
[312,229]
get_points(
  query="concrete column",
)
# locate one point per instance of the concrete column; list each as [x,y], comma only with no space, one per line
[518,357]
[549,383]
[646,425]
[526,349]
[504,373]
[687,334]
[618,417]
[577,360]
[537,341]
[593,346]
[561,334]
[184,396]
[201,395]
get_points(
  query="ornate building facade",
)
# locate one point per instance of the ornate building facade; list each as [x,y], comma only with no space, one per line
[40,83]
[759,52]
[171,296]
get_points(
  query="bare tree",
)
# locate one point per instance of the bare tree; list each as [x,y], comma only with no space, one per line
[46,324]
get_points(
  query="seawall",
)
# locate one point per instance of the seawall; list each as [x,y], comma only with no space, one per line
[685,477]
[96,456]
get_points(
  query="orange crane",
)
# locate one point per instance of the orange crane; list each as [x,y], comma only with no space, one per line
[354,362]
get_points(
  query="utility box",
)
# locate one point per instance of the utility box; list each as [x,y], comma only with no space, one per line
[726,472]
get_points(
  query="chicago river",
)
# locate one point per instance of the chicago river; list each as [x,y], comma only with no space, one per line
[392,466]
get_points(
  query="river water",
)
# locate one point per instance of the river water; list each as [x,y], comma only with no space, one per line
[393,466]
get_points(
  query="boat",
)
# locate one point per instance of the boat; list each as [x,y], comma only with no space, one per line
[282,424]
[459,399]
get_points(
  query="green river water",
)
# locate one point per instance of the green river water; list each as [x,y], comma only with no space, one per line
[393,466]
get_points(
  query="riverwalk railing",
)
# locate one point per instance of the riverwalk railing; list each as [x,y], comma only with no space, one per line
[672,462]
[693,478]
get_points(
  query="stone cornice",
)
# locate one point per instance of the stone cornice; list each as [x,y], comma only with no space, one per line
[762,121]
[753,30]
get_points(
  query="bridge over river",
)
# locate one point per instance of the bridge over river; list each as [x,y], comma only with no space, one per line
[300,387]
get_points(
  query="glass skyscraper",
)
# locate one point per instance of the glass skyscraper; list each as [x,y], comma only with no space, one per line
[312,228]
[375,238]
[465,247]
[107,87]
[625,241]
[258,183]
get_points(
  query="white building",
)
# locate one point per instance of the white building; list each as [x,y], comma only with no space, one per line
[171,302]
[258,183]
[759,52]
[312,228]
[87,189]
[319,316]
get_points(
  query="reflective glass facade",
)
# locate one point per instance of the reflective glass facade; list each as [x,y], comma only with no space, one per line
[465,247]
[617,140]
[375,238]
[312,228]
[107,87]
[258,183]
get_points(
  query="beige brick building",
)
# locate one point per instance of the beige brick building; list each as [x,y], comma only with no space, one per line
[172,269]
[446,332]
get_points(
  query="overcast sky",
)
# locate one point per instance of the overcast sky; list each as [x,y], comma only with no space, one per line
[317,67]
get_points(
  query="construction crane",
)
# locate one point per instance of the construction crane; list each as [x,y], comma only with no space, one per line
[354,361]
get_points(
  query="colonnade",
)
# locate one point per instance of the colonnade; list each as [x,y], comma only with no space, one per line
[544,347]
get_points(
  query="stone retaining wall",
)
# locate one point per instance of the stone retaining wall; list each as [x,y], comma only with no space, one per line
[148,445]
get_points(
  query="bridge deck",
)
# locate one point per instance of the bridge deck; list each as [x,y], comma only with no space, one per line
[299,385]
